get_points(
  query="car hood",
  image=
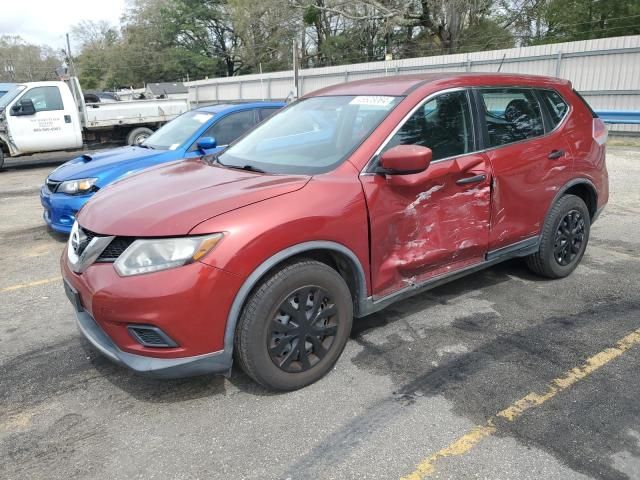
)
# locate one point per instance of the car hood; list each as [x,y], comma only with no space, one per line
[173,198]
[118,161]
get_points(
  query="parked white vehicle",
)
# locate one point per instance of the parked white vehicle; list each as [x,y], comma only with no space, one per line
[47,116]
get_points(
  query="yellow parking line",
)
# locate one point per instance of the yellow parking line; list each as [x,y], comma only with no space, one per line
[465,443]
[30,284]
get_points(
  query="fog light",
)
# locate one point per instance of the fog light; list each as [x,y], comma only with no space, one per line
[149,336]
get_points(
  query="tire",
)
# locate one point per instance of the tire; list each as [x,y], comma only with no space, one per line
[138,135]
[564,239]
[266,338]
[1,158]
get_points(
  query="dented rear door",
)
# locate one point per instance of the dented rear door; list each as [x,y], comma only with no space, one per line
[439,223]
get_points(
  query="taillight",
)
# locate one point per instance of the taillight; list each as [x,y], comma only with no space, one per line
[600,133]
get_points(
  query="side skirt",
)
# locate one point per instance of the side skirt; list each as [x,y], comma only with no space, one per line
[520,249]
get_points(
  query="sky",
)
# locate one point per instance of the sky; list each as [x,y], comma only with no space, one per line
[45,22]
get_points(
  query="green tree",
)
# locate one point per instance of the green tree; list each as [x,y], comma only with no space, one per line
[24,62]
[569,20]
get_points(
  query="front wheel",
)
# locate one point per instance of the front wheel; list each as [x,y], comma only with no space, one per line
[564,239]
[1,158]
[294,326]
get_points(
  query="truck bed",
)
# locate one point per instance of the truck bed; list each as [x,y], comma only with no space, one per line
[101,115]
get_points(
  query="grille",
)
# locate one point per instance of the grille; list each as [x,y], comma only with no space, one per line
[52,185]
[151,336]
[113,250]
[88,236]
[117,246]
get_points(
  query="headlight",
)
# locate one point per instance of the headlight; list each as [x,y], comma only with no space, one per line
[145,256]
[82,185]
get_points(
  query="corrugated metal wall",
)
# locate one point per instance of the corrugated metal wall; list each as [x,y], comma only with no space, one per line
[606,71]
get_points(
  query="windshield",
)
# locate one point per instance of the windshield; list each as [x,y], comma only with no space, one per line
[10,95]
[312,136]
[175,133]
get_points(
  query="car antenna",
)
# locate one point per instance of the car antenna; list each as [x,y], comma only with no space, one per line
[501,62]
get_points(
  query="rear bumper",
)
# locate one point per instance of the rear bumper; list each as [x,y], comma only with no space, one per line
[210,363]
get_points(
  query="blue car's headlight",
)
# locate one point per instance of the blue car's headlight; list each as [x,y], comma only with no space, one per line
[81,185]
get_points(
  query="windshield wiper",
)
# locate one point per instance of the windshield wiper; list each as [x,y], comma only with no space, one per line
[142,145]
[248,168]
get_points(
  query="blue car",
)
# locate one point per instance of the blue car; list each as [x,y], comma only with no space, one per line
[201,131]
[6,87]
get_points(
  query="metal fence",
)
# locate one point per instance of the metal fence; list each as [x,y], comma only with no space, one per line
[606,72]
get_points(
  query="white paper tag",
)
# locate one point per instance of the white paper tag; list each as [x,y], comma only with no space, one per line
[174,146]
[202,117]
[372,100]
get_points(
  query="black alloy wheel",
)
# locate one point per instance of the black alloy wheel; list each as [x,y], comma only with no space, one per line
[303,330]
[294,325]
[563,239]
[569,238]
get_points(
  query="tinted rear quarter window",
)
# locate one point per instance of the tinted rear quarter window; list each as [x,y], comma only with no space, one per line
[511,114]
[555,104]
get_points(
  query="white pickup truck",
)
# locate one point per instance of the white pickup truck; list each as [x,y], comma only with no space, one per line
[47,116]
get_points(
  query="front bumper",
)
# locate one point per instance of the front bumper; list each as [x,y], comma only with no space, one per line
[189,304]
[60,210]
[210,363]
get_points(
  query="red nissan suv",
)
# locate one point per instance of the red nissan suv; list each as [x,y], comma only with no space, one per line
[354,197]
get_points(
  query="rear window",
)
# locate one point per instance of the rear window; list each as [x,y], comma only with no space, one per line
[511,114]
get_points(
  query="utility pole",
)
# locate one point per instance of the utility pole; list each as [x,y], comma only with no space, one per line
[72,70]
[295,69]
[74,83]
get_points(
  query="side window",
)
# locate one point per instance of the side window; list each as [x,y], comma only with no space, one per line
[44,98]
[555,104]
[231,127]
[266,113]
[443,124]
[512,114]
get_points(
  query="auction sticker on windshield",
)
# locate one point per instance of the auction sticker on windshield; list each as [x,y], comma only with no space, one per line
[202,117]
[373,100]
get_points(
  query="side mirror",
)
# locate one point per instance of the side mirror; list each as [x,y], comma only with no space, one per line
[23,107]
[207,143]
[405,160]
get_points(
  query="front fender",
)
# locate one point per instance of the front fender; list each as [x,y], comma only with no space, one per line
[328,214]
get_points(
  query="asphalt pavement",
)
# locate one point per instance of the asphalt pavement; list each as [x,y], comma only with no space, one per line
[500,375]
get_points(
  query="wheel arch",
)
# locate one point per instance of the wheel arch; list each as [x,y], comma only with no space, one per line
[582,188]
[333,254]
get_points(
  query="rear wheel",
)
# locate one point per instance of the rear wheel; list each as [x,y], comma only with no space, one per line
[1,158]
[138,135]
[294,326]
[564,239]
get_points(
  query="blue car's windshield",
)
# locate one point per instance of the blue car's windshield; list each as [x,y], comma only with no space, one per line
[313,135]
[10,95]
[175,133]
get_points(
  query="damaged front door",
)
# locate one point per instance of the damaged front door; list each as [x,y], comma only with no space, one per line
[436,221]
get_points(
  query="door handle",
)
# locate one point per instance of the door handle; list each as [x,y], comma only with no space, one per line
[555,154]
[474,179]
[67,119]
